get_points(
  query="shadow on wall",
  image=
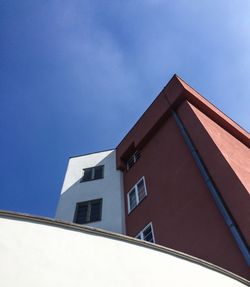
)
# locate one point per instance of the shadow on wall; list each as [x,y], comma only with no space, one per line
[108,188]
[71,192]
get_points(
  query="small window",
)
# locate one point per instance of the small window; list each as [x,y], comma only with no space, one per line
[132,199]
[147,234]
[93,173]
[132,160]
[136,194]
[88,211]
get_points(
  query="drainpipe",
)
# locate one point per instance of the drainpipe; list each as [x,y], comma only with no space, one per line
[214,191]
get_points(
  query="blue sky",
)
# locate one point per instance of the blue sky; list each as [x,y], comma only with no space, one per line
[76,75]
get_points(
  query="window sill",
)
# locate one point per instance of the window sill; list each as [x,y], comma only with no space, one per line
[91,180]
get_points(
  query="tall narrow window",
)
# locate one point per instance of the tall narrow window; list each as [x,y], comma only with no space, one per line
[88,211]
[147,233]
[132,160]
[132,199]
[141,189]
[136,194]
[92,173]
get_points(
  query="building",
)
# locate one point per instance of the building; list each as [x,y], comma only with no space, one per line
[99,190]
[180,178]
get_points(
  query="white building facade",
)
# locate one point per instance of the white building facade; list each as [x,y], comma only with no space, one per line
[92,192]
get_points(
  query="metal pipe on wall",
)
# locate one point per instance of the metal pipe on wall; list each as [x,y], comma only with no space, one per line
[213,190]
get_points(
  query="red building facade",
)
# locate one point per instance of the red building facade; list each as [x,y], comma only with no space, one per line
[195,164]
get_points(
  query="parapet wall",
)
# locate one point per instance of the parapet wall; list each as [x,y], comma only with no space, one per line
[42,252]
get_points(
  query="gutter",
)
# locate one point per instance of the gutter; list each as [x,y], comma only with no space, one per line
[234,229]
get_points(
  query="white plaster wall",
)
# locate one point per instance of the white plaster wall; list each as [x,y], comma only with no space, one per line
[35,254]
[109,189]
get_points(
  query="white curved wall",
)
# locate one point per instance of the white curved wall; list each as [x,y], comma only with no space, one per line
[109,189]
[35,254]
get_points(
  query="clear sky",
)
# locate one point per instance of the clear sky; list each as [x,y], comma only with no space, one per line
[76,75]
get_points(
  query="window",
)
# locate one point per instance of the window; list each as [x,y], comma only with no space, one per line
[132,160]
[93,173]
[136,194]
[147,234]
[88,211]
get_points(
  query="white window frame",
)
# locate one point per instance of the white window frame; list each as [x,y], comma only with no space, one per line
[136,194]
[140,234]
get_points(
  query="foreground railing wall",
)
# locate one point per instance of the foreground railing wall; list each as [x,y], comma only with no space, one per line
[42,252]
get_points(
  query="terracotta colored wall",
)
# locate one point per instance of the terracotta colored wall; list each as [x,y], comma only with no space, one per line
[179,205]
[227,159]
[235,152]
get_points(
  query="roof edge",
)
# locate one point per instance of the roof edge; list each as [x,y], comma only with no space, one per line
[89,153]
[208,108]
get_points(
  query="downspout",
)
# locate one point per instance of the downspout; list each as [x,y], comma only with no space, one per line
[213,190]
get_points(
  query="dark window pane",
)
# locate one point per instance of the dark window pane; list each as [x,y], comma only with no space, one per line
[149,238]
[138,236]
[147,234]
[132,199]
[87,174]
[137,155]
[88,211]
[96,208]
[98,172]
[82,214]
[92,173]
[141,190]
[130,162]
